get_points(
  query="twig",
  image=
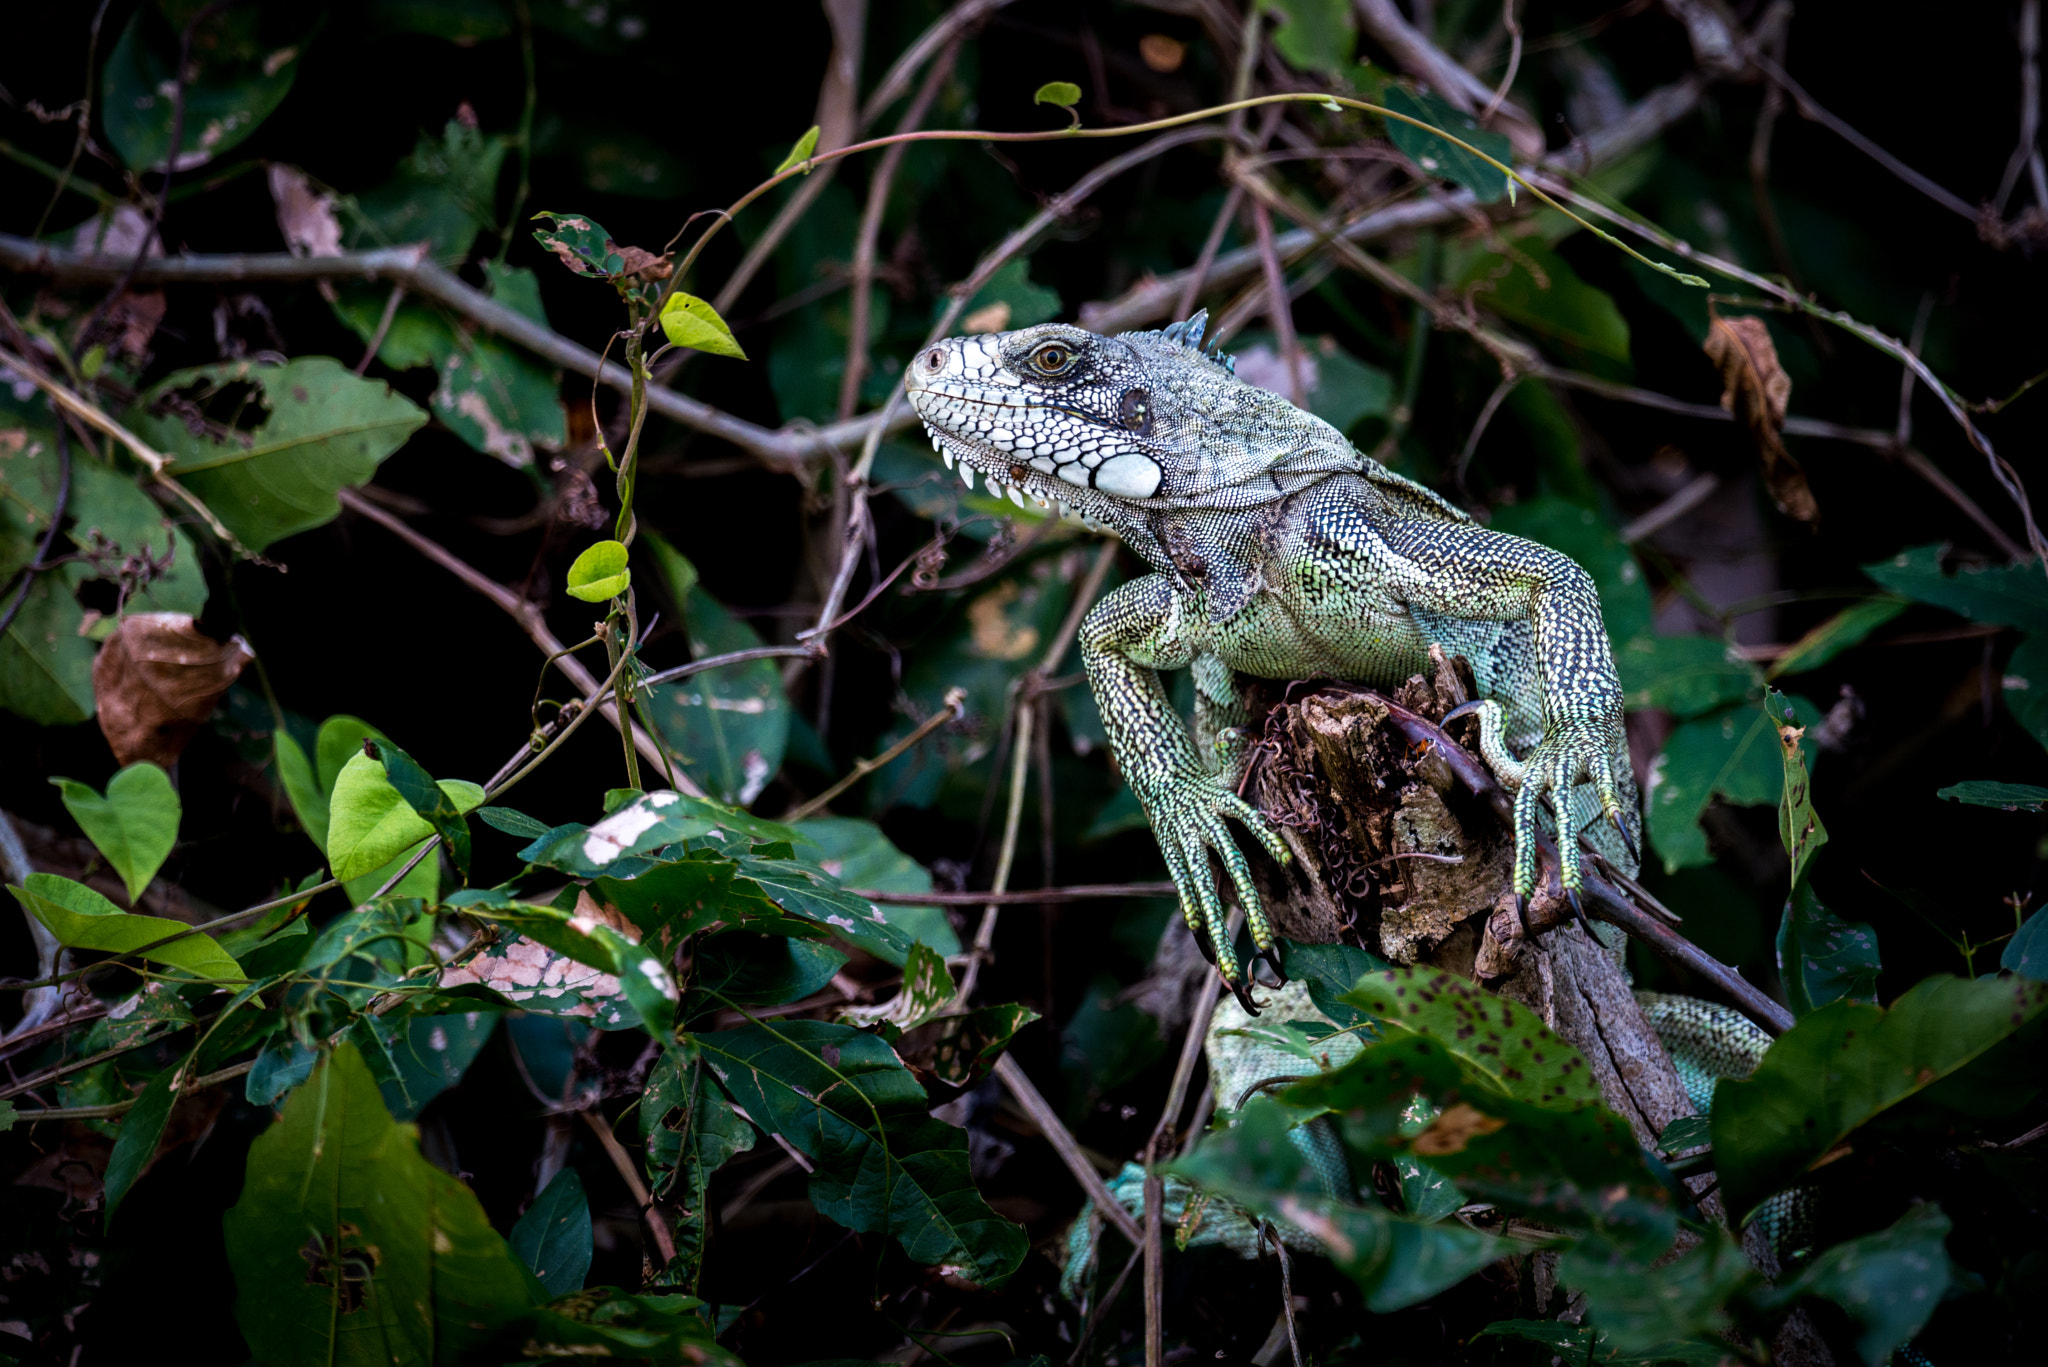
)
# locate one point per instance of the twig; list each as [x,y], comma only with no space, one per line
[955,704]
[1810,109]
[643,1198]
[863,282]
[1062,1139]
[2027,154]
[1682,501]
[376,343]
[91,415]
[1514,28]
[1480,424]
[519,610]
[736,657]
[1169,1117]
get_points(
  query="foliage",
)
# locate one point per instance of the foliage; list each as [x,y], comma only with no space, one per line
[633,1041]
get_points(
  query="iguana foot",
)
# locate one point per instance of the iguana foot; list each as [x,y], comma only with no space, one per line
[1572,750]
[1188,817]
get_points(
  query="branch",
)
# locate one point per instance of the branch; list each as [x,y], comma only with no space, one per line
[1078,892]
[1604,900]
[787,449]
[519,610]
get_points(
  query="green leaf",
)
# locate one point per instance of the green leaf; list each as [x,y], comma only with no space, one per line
[82,919]
[142,1129]
[1534,286]
[1331,971]
[371,823]
[2025,685]
[1730,755]
[314,429]
[1583,1344]
[1799,827]
[1397,1260]
[442,194]
[134,825]
[1684,675]
[2006,797]
[1318,35]
[340,740]
[644,825]
[347,1245]
[1823,958]
[1841,631]
[499,399]
[302,787]
[581,244]
[2009,595]
[1438,157]
[553,1237]
[1638,1309]
[431,1055]
[764,970]
[1845,1064]
[233,83]
[859,855]
[1889,1282]
[109,503]
[688,321]
[1065,94]
[433,803]
[45,664]
[845,1102]
[283,1064]
[2026,953]
[729,726]
[600,573]
[1686,1132]
[927,990]
[689,1131]
[512,822]
[605,1322]
[805,146]
[1500,1040]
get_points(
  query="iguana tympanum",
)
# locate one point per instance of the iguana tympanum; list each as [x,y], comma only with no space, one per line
[1283,553]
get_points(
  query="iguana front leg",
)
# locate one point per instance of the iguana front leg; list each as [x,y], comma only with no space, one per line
[1130,635]
[1459,571]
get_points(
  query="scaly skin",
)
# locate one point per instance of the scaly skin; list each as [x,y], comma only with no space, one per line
[1282,553]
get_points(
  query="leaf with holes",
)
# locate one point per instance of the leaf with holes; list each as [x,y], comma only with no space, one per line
[345,1236]
[1799,826]
[234,80]
[317,429]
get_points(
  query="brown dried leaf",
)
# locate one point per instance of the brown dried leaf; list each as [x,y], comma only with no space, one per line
[157,679]
[643,265]
[305,217]
[1755,388]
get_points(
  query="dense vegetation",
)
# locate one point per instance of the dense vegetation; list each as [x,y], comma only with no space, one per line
[419,959]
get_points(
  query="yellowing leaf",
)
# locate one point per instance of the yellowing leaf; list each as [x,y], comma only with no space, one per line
[691,322]
[369,824]
[82,919]
[600,573]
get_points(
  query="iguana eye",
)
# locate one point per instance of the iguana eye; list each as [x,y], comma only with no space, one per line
[1135,412]
[1054,358]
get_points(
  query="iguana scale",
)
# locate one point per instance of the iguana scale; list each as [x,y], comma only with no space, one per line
[1280,552]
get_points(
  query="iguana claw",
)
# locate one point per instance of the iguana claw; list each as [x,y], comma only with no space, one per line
[1572,896]
[1628,840]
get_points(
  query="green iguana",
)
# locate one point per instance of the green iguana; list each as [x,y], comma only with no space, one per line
[1284,553]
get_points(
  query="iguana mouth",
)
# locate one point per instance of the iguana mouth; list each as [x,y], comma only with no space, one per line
[1003,472]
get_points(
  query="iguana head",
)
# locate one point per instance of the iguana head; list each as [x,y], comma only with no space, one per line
[1117,428]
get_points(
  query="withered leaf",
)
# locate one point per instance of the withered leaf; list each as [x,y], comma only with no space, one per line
[1755,388]
[157,679]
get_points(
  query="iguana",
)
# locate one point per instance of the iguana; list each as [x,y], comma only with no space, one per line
[1281,552]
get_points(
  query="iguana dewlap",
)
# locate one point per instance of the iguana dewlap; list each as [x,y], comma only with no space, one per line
[1283,553]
